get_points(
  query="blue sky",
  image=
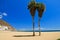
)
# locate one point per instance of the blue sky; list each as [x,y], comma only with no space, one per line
[19,16]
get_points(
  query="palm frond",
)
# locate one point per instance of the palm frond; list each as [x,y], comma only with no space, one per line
[40,7]
[31,4]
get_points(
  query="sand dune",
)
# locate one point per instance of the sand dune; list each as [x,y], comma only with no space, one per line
[8,35]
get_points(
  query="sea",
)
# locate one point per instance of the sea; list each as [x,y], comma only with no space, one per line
[38,30]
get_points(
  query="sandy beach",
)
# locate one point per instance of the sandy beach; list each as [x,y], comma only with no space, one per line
[8,35]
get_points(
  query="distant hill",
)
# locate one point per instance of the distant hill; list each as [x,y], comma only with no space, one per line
[5,26]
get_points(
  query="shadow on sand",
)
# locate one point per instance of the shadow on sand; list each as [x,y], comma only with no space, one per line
[23,36]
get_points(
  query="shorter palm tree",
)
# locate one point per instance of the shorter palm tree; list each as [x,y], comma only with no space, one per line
[40,8]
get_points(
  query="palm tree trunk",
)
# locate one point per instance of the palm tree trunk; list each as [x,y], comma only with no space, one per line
[39,26]
[33,26]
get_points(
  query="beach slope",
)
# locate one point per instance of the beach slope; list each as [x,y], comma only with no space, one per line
[8,35]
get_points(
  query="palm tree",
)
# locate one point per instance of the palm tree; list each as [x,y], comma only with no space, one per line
[40,8]
[32,8]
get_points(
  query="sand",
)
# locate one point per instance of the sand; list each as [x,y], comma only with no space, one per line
[8,35]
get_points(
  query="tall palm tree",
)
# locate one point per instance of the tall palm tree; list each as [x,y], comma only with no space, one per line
[40,8]
[32,8]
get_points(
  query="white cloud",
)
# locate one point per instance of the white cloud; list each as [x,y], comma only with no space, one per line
[1,16]
[25,29]
[32,29]
[5,14]
[52,29]
[38,29]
